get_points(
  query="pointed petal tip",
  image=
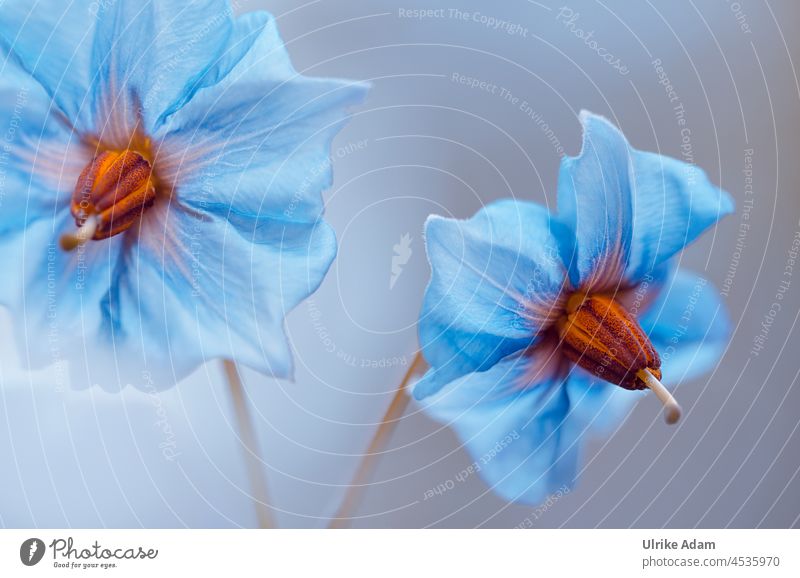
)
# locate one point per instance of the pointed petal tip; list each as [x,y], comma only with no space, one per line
[591,123]
[588,117]
[427,386]
[433,225]
[432,219]
[727,204]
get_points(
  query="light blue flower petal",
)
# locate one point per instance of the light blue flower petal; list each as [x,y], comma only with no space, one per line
[631,210]
[152,57]
[52,40]
[674,202]
[210,280]
[689,326]
[523,446]
[39,160]
[255,50]
[596,406]
[496,282]
[258,141]
[54,294]
[196,287]
[637,298]
[545,363]
[594,199]
[12,73]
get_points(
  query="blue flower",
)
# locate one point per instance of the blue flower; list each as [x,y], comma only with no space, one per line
[531,320]
[179,158]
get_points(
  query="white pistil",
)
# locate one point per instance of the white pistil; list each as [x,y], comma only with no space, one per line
[71,241]
[672,411]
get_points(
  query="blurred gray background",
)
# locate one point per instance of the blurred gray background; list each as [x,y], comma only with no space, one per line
[426,143]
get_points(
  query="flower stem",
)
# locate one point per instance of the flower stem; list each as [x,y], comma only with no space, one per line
[258,482]
[360,480]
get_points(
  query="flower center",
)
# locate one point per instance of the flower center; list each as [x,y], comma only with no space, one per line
[599,335]
[111,194]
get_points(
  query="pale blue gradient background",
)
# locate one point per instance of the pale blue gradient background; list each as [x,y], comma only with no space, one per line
[423,144]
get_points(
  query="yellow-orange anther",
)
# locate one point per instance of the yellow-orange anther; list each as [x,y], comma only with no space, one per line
[600,336]
[114,190]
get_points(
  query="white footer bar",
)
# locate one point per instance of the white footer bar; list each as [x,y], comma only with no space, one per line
[407,553]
